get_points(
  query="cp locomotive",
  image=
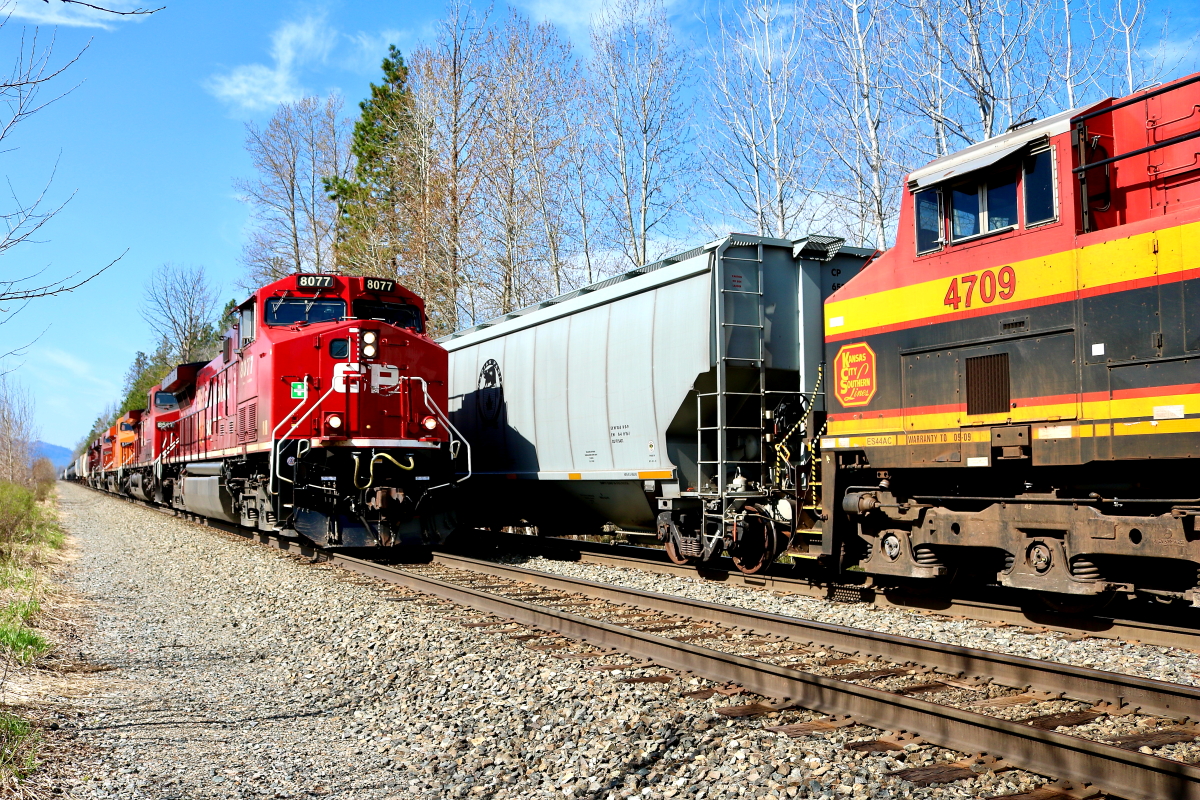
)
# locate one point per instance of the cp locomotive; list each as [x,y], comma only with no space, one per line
[323,416]
[1010,394]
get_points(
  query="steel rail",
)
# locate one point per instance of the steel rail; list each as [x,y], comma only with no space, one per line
[1126,692]
[1126,773]
[1150,633]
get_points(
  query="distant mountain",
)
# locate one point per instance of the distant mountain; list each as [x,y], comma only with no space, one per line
[59,456]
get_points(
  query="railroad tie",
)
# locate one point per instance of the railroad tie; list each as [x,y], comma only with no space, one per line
[891,742]
[948,772]
[816,726]
[748,710]
[1068,719]
[1059,790]
[1158,738]
[1011,700]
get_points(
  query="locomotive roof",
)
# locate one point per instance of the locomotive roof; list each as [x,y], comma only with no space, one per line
[989,151]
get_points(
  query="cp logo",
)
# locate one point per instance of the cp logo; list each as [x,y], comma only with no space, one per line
[381,375]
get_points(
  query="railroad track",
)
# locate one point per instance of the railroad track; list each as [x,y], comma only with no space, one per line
[854,676]
[1185,635]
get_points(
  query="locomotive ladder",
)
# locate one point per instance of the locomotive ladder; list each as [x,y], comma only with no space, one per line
[730,295]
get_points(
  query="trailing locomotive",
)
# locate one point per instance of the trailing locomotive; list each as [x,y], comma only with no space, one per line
[1015,390]
[323,417]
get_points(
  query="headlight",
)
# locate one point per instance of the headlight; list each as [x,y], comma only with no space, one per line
[369,337]
[429,423]
[369,350]
[333,421]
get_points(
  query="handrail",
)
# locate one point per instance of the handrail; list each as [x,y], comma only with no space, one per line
[272,465]
[1161,90]
[1156,146]
[432,406]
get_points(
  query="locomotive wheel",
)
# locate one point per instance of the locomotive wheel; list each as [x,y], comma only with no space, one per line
[673,552]
[755,549]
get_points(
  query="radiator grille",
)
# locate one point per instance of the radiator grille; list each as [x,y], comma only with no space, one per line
[247,423]
[987,384]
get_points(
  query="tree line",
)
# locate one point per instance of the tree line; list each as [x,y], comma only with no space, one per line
[181,304]
[496,164]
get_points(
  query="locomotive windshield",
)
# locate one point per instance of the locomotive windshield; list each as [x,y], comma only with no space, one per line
[402,315]
[303,310]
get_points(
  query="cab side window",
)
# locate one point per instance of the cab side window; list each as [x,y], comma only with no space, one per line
[983,206]
[928,206]
[1039,188]
[246,325]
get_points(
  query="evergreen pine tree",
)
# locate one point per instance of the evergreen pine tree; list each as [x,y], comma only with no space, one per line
[371,230]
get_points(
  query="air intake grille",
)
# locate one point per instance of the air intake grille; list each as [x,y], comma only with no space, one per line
[987,384]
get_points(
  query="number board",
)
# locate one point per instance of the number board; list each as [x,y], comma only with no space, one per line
[314,281]
[378,285]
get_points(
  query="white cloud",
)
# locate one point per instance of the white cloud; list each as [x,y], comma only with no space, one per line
[59,369]
[575,16]
[255,87]
[368,49]
[56,12]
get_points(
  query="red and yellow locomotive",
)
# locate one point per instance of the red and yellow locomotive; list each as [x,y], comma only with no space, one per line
[323,416]
[1016,384]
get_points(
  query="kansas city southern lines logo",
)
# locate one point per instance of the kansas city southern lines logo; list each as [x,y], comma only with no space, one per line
[854,375]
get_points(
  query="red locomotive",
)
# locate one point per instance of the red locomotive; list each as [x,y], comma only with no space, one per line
[323,416]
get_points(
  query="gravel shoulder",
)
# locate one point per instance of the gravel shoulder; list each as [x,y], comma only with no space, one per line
[1129,658]
[237,671]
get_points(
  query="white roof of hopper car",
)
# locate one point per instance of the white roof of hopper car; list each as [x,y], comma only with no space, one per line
[669,270]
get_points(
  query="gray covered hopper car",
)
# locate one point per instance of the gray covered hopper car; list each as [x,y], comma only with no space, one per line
[656,400]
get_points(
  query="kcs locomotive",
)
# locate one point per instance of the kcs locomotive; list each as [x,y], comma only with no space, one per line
[1015,387]
[323,416]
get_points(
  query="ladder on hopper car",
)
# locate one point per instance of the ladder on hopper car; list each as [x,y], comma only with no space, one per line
[723,416]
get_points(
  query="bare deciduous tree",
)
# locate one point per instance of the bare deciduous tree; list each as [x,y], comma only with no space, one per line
[979,52]
[181,306]
[645,122]
[524,233]
[858,42]
[758,151]
[451,87]
[21,96]
[17,432]
[304,144]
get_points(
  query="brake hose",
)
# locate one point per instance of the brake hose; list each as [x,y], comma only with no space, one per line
[371,473]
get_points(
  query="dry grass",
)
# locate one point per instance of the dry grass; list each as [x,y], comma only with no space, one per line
[31,545]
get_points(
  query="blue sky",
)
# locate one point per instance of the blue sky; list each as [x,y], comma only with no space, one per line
[147,146]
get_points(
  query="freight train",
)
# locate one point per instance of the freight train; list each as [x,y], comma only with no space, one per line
[323,416]
[1010,394]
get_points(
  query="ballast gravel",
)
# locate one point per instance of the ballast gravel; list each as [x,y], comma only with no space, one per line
[1114,655]
[239,671]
